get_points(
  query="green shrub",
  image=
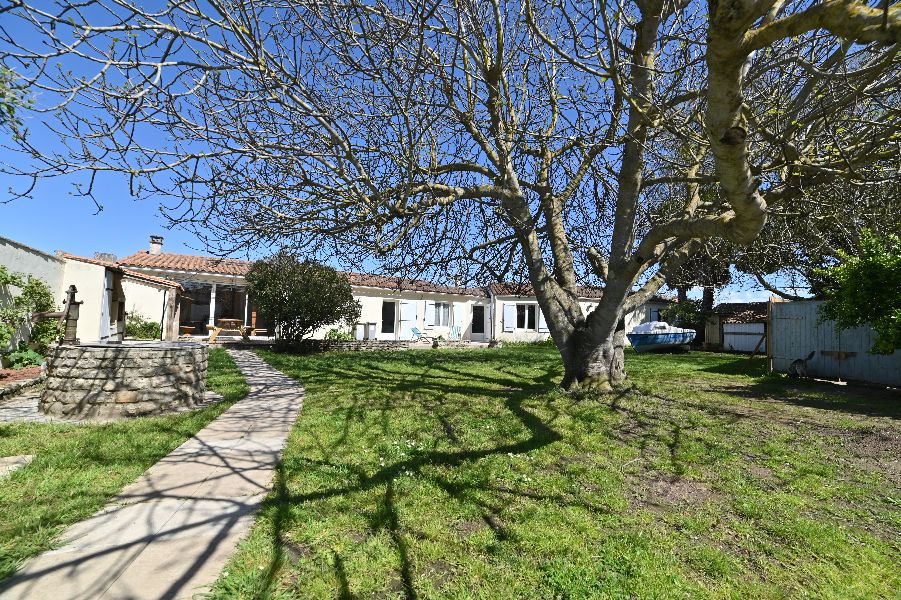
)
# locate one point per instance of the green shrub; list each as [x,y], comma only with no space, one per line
[33,296]
[339,335]
[866,289]
[138,327]
[300,296]
[24,357]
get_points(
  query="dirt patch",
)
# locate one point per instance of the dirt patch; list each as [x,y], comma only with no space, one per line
[439,572]
[871,443]
[471,526]
[671,491]
[295,551]
[760,472]
[8,376]
[872,449]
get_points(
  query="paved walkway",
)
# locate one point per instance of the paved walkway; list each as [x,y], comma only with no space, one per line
[168,534]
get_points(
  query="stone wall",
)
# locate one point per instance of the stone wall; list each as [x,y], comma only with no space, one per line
[127,380]
[311,346]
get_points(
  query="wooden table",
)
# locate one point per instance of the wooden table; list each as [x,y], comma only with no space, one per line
[227,325]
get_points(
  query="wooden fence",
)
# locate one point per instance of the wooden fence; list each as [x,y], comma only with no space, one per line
[795,331]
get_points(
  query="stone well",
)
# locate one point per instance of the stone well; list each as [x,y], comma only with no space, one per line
[104,381]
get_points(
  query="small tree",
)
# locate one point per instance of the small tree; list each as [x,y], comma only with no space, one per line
[16,309]
[867,289]
[300,296]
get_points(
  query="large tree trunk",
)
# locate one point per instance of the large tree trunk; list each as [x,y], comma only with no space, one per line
[707,299]
[590,362]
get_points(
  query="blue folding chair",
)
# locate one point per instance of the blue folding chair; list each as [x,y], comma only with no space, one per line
[418,336]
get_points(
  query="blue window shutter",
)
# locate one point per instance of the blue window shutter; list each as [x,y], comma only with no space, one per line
[509,316]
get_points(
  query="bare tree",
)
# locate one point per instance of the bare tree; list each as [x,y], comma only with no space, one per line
[473,139]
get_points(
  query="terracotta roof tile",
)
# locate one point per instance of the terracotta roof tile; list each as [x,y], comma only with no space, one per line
[415,285]
[188,262]
[525,289]
[152,278]
[128,272]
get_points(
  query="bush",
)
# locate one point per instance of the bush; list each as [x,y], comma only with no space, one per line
[339,335]
[299,297]
[867,289]
[34,296]
[24,357]
[141,328]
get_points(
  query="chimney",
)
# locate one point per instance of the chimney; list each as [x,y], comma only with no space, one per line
[156,244]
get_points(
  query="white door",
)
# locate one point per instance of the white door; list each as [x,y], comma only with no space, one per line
[407,319]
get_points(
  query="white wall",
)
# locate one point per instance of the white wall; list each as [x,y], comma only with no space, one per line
[371,300]
[19,258]
[24,259]
[636,317]
[148,300]
[89,280]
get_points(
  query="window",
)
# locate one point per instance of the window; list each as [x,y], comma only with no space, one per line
[478,319]
[388,317]
[442,314]
[525,316]
[655,314]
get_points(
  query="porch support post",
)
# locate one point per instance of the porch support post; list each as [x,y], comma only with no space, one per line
[213,304]
[246,308]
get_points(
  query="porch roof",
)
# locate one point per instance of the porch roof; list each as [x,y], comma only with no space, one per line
[125,271]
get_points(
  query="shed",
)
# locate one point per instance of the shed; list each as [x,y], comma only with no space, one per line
[738,327]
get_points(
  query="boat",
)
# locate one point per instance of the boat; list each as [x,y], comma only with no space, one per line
[658,335]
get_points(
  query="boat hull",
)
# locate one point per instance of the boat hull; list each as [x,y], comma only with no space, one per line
[648,342]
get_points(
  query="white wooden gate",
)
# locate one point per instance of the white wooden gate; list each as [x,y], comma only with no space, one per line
[744,337]
[797,332]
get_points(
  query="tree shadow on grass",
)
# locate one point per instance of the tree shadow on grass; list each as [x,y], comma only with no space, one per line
[850,399]
[430,386]
[740,364]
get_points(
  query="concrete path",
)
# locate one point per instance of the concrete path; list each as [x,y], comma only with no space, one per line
[168,534]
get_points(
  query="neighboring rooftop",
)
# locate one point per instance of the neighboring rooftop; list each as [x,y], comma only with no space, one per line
[742,312]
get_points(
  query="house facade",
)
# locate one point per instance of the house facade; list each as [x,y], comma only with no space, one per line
[215,289]
[106,290]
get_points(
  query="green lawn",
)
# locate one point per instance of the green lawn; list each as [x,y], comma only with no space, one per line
[78,468]
[468,474]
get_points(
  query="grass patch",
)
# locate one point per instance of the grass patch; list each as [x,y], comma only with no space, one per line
[469,474]
[78,468]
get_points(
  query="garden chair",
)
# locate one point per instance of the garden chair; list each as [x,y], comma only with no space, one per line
[418,336]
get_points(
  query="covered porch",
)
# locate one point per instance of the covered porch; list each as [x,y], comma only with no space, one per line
[209,305]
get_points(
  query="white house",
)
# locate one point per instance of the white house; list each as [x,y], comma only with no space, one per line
[107,290]
[392,307]
[186,293]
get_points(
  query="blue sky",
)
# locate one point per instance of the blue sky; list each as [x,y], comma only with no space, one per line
[55,219]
